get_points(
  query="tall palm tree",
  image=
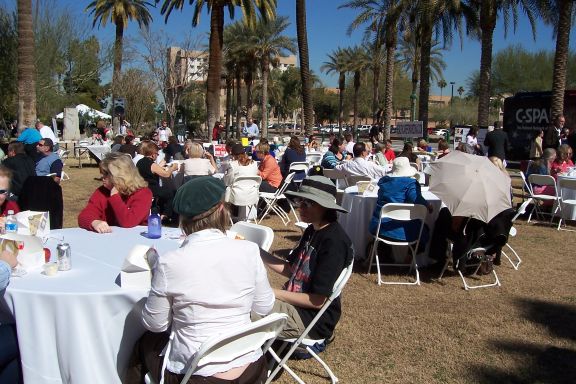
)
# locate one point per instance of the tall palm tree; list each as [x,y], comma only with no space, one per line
[338,64]
[267,10]
[460,91]
[302,35]
[119,12]
[559,14]
[269,45]
[385,19]
[358,62]
[442,84]
[442,17]
[489,10]
[26,67]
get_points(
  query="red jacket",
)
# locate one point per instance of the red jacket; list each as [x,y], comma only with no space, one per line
[123,211]
[9,205]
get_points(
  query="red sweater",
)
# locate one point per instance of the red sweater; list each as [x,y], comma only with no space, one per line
[269,170]
[123,211]
[9,205]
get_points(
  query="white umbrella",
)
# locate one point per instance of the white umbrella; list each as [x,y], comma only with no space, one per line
[470,185]
[82,108]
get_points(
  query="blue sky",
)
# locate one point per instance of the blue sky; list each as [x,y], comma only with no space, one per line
[327,27]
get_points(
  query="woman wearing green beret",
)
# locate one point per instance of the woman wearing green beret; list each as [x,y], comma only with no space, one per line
[209,286]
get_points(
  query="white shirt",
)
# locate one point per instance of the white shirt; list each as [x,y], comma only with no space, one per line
[361,167]
[198,167]
[235,169]
[471,141]
[206,287]
[164,134]
[350,148]
[252,130]
[47,133]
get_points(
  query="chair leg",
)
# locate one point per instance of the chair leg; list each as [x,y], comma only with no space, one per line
[333,377]
[514,265]
[467,287]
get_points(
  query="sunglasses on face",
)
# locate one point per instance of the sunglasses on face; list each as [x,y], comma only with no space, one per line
[302,203]
[4,191]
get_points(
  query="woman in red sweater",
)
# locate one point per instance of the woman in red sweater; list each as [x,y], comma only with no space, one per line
[123,199]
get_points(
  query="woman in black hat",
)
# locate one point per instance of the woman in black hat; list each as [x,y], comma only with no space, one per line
[315,264]
[208,286]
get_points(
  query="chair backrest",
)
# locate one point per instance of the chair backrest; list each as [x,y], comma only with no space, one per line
[334,174]
[287,180]
[353,179]
[527,186]
[259,234]
[565,183]
[299,166]
[522,209]
[314,158]
[244,190]
[403,212]
[544,180]
[231,345]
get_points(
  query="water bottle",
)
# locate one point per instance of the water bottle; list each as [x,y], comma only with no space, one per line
[11,223]
[154,225]
[218,165]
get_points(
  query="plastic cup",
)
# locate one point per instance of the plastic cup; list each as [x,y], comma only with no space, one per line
[50,269]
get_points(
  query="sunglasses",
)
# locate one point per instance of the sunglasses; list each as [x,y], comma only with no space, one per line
[302,203]
[4,191]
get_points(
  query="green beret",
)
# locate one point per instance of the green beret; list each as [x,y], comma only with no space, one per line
[198,195]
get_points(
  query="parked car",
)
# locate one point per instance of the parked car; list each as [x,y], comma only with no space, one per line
[440,132]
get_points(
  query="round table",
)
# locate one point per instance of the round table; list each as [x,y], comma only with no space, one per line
[80,326]
[361,207]
[568,211]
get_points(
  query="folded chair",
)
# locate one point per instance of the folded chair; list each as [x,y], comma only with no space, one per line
[271,200]
[231,345]
[399,212]
[306,342]
[259,234]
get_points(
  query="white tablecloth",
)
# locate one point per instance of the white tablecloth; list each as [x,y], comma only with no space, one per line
[79,326]
[99,151]
[360,208]
[568,211]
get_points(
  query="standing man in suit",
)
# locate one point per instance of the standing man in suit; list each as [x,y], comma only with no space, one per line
[552,135]
[497,142]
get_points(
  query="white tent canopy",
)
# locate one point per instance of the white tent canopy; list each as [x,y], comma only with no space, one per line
[82,108]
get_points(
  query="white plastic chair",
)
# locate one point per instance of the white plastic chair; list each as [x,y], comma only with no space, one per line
[314,158]
[244,192]
[271,200]
[231,345]
[543,180]
[338,176]
[256,233]
[351,180]
[513,232]
[563,185]
[299,166]
[467,286]
[399,212]
[303,340]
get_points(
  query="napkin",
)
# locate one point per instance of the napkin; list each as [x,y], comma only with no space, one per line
[33,223]
[136,269]
[28,249]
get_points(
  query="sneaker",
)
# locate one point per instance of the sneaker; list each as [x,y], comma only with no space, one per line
[303,354]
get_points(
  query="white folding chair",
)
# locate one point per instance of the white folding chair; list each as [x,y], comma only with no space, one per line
[256,233]
[299,167]
[303,340]
[477,265]
[271,200]
[564,185]
[351,180]
[314,158]
[542,180]
[336,175]
[230,345]
[244,193]
[513,232]
[406,213]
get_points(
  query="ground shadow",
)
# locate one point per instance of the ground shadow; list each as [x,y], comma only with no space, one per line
[559,319]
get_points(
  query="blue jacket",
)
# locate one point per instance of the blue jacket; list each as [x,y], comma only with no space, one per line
[398,190]
[291,156]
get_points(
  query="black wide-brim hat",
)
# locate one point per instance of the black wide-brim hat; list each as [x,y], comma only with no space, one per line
[319,189]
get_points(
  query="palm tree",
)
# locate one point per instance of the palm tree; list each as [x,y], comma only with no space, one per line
[489,10]
[266,8]
[338,64]
[442,84]
[460,91]
[304,66]
[26,67]
[385,19]
[358,62]
[119,12]
[268,45]
[559,13]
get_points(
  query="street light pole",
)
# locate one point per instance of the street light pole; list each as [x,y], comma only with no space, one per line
[452,94]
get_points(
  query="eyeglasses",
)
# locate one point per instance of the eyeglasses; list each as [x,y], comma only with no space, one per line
[4,191]
[302,203]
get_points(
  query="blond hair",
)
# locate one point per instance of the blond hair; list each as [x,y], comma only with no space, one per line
[148,148]
[263,148]
[195,151]
[122,172]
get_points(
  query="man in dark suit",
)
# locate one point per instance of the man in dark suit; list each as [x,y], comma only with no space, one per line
[21,164]
[552,135]
[497,142]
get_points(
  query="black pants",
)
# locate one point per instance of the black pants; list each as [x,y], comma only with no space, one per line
[145,359]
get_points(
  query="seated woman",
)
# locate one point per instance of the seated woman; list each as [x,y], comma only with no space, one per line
[173,150]
[268,169]
[563,161]
[293,153]
[380,157]
[312,143]
[334,155]
[443,149]
[199,162]
[152,172]
[241,165]
[543,167]
[208,286]
[408,152]
[123,199]
[399,187]
[6,202]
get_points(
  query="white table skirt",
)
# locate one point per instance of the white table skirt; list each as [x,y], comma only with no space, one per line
[99,151]
[79,326]
[356,222]
[568,211]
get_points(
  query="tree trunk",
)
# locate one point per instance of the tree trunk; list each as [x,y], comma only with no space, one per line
[117,71]
[561,57]
[425,49]
[487,25]
[304,66]
[375,92]
[356,89]
[214,64]
[388,91]
[342,88]
[26,68]
[265,71]
[229,88]
[248,81]
[238,105]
